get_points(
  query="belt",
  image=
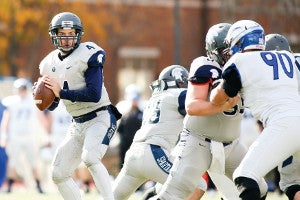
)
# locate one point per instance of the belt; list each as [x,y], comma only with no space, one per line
[224,143]
[88,116]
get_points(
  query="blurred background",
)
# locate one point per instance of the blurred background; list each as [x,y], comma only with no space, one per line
[140,36]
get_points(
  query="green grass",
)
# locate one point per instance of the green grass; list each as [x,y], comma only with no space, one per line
[32,195]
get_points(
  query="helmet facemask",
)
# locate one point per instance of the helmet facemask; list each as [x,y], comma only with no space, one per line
[58,41]
[214,42]
[218,55]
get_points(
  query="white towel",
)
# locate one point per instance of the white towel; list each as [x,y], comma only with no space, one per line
[218,157]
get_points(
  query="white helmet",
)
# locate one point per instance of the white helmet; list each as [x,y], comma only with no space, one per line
[173,76]
[22,83]
[132,92]
[245,35]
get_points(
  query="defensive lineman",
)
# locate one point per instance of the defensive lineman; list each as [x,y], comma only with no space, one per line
[272,96]
[78,69]
[289,168]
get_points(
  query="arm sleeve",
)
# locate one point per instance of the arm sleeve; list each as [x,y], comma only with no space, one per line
[232,81]
[93,79]
[181,103]
[54,104]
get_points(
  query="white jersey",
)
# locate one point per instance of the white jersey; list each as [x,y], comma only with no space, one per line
[221,127]
[23,116]
[72,69]
[162,122]
[269,83]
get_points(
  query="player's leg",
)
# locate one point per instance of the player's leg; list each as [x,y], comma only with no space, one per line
[277,141]
[125,185]
[14,153]
[290,176]
[3,165]
[199,191]
[98,133]
[191,161]
[66,160]
[31,154]
[131,175]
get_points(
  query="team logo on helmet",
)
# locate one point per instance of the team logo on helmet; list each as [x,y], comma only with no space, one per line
[177,73]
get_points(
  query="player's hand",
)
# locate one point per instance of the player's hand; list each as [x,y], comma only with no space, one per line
[33,87]
[52,84]
[231,102]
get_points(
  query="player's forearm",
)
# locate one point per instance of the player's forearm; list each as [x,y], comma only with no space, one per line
[202,108]
[218,96]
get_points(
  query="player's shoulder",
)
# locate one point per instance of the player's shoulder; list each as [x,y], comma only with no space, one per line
[204,62]
[86,50]
[89,47]
[204,66]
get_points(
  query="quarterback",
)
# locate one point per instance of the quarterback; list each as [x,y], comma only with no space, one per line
[74,72]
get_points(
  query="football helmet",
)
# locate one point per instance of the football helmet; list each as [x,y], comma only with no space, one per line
[22,84]
[174,76]
[65,20]
[132,92]
[214,42]
[277,42]
[245,35]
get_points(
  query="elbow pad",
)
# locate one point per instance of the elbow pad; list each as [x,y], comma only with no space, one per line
[232,81]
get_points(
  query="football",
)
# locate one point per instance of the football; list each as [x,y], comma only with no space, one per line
[43,96]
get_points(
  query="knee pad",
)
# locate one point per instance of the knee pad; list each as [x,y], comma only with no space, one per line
[59,175]
[92,156]
[291,191]
[248,188]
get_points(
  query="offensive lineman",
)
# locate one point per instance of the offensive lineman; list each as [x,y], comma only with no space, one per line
[149,155]
[272,96]
[78,69]
[209,141]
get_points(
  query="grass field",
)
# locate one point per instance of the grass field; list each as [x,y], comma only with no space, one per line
[25,195]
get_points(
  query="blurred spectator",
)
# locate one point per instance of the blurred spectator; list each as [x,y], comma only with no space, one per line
[17,130]
[131,120]
[3,155]
[56,124]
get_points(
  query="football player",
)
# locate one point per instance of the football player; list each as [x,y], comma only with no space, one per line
[268,83]
[17,129]
[288,169]
[149,155]
[74,72]
[209,141]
